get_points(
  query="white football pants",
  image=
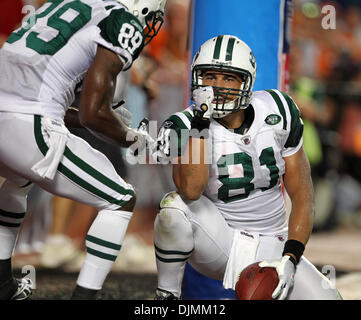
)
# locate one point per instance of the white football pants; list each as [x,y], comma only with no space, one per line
[196,231]
[84,175]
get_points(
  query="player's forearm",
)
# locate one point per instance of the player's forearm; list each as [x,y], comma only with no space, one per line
[299,226]
[299,187]
[109,124]
[192,180]
[191,175]
[301,220]
[96,113]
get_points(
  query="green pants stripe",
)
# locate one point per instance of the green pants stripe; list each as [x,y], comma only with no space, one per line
[83,166]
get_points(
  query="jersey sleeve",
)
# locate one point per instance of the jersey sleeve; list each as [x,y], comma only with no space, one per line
[122,33]
[173,136]
[295,135]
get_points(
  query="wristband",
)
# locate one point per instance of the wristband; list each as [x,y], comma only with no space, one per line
[295,247]
[292,259]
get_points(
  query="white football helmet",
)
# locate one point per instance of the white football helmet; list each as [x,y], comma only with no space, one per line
[150,14]
[228,54]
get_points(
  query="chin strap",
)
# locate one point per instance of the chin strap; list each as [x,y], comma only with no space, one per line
[217,114]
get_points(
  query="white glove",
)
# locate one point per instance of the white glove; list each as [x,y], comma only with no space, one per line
[146,141]
[124,114]
[286,274]
[203,98]
[143,139]
[143,128]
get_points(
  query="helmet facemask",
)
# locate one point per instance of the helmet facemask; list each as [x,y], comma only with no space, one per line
[154,22]
[149,13]
[226,100]
[226,54]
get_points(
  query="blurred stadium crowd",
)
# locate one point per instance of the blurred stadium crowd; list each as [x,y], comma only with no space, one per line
[325,77]
[325,81]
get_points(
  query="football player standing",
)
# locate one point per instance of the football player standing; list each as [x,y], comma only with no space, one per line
[229,152]
[41,63]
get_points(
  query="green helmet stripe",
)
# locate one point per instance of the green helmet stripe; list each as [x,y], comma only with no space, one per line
[230,46]
[217,48]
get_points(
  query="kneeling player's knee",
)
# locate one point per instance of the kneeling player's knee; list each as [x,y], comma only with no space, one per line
[173,231]
[172,212]
[172,228]
[171,220]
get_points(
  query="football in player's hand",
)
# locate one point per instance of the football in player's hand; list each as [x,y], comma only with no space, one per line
[256,283]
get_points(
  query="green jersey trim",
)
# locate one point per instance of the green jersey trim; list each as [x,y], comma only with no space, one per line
[109,7]
[296,124]
[280,106]
[174,133]
[178,124]
[296,130]
[188,115]
[123,31]
[65,29]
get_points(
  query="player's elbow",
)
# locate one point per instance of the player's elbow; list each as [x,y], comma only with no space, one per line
[190,181]
[191,191]
[190,194]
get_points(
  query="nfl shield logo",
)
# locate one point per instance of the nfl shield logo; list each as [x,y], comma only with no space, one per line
[246,140]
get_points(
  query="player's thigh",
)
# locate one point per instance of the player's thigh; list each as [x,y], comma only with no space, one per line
[212,238]
[16,144]
[310,284]
[17,147]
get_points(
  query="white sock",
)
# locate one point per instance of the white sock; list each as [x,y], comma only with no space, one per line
[12,213]
[103,243]
[173,240]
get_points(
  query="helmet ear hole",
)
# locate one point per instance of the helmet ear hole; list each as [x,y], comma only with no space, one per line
[145,11]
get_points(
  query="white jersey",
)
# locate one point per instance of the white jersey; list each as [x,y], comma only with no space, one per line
[42,62]
[246,168]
